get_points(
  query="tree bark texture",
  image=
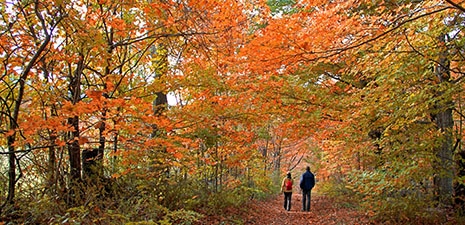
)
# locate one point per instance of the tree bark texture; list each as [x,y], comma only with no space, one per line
[74,151]
[444,122]
[445,164]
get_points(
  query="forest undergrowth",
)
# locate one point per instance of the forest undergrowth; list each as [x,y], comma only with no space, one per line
[139,204]
[324,210]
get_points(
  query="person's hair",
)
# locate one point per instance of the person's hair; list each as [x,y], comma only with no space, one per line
[289,175]
[308,168]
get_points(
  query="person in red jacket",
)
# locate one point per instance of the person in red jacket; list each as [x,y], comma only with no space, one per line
[286,188]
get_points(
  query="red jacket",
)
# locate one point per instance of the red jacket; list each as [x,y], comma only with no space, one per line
[283,186]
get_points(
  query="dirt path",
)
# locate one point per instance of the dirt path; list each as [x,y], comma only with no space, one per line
[272,212]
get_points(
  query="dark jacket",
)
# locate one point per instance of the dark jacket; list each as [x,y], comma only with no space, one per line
[307,181]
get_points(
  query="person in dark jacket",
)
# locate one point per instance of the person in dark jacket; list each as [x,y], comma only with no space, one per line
[286,188]
[307,182]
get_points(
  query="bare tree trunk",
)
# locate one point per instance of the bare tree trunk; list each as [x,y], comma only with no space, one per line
[277,154]
[74,151]
[11,170]
[445,164]
[444,122]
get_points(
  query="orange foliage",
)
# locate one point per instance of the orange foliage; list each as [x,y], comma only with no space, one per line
[246,80]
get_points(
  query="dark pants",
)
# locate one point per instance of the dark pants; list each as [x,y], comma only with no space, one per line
[287,200]
[306,195]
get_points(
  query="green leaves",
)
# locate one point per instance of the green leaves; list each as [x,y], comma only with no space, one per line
[278,7]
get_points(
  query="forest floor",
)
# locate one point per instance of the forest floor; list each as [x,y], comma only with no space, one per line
[323,211]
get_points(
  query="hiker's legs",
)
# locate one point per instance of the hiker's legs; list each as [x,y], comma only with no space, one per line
[287,200]
[309,198]
[306,200]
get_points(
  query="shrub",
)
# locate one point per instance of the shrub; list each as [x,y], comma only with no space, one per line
[385,198]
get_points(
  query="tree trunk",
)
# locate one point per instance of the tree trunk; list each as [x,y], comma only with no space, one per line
[92,159]
[90,164]
[444,122]
[11,169]
[445,165]
[74,151]
[101,147]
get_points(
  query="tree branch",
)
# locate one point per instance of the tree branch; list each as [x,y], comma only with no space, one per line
[456,5]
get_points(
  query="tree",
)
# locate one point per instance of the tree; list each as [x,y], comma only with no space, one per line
[368,92]
[27,37]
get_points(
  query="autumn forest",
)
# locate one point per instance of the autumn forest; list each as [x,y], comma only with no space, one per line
[167,111]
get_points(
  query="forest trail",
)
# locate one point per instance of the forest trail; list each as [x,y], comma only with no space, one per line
[323,211]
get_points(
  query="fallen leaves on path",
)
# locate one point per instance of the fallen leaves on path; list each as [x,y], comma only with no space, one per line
[323,211]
